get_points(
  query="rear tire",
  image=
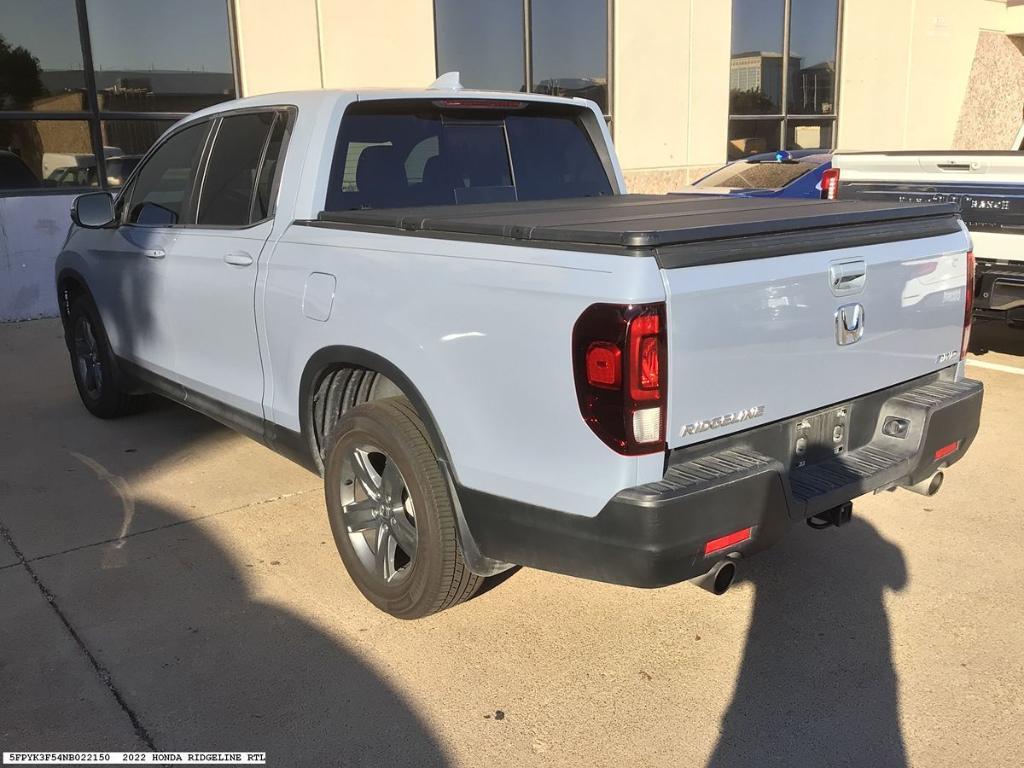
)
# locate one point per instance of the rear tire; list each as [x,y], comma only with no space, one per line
[93,364]
[391,512]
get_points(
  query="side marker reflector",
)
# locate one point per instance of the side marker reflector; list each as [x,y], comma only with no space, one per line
[945,450]
[723,542]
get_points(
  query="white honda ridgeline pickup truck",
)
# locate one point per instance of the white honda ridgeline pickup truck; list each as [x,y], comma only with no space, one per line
[446,303]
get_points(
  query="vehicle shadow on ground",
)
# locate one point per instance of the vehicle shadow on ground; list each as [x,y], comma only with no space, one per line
[203,661]
[817,685]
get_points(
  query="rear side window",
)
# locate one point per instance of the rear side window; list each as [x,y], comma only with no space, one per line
[398,154]
[163,187]
[767,175]
[229,187]
[263,206]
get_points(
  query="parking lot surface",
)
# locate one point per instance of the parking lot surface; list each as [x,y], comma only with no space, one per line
[167,584]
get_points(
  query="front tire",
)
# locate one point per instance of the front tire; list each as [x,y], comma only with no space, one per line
[93,364]
[391,513]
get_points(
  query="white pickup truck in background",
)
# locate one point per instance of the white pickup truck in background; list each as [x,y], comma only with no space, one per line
[987,187]
[445,302]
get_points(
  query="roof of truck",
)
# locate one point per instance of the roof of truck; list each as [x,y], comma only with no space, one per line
[319,97]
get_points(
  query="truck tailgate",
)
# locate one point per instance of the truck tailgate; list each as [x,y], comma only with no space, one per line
[752,342]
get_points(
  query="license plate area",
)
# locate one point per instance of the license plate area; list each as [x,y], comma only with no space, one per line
[820,436]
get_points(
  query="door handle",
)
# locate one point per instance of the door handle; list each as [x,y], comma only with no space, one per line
[238,258]
[154,253]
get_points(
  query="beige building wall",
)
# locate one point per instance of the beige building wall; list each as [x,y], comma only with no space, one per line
[334,44]
[906,65]
[670,86]
[277,45]
[377,44]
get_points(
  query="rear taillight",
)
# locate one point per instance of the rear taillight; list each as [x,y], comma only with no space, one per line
[619,357]
[830,184]
[968,305]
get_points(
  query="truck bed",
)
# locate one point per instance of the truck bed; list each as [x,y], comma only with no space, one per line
[679,231]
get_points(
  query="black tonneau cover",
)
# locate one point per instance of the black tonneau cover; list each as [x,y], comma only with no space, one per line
[679,230]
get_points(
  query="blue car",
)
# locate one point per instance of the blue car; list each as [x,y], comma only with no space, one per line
[803,173]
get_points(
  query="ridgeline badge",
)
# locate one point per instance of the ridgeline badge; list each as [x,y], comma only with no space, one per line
[722,421]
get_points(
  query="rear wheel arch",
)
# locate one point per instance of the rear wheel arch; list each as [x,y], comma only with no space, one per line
[337,378]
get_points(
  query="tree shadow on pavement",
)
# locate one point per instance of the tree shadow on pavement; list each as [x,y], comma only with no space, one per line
[195,653]
[817,685]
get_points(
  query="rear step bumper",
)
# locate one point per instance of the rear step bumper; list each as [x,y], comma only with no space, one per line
[655,534]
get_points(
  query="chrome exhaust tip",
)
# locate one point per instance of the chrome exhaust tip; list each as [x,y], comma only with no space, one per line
[929,486]
[717,580]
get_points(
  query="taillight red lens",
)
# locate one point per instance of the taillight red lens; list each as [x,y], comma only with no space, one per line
[830,184]
[604,365]
[644,372]
[968,306]
[619,364]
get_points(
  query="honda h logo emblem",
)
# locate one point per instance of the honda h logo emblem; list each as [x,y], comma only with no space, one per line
[849,324]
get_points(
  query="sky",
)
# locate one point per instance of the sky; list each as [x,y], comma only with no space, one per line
[126,34]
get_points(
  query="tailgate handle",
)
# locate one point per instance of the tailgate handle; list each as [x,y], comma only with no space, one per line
[956,166]
[847,277]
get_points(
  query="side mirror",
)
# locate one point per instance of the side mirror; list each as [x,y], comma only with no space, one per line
[93,211]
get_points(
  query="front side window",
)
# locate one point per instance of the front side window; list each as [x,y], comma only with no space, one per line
[400,154]
[163,188]
[782,96]
[230,181]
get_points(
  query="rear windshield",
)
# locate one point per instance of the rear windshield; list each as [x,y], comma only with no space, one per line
[399,154]
[766,175]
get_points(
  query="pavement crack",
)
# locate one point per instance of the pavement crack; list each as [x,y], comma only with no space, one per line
[101,671]
[125,536]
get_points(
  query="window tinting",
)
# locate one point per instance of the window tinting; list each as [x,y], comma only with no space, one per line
[46,153]
[570,48]
[148,56]
[230,181]
[747,175]
[812,46]
[397,155]
[775,85]
[809,134]
[564,54]
[263,206]
[155,56]
[755,72]
[163,187]
[40,57]
[482,42]
[751,137]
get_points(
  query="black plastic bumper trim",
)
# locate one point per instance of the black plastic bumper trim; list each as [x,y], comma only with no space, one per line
[654,534]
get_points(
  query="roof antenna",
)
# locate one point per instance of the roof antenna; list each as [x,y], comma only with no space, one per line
[449,81]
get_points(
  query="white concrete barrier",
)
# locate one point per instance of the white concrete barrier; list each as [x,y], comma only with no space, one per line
[32,231]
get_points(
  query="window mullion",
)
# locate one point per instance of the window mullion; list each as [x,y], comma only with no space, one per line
[527,46]
[91,94]
[784,107]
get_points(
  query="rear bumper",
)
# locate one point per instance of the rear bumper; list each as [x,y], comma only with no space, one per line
[654,534]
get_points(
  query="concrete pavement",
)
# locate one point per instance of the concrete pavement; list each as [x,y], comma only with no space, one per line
[176,586]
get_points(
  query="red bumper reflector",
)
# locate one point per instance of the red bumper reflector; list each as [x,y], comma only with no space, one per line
[722,542]
[945,450]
